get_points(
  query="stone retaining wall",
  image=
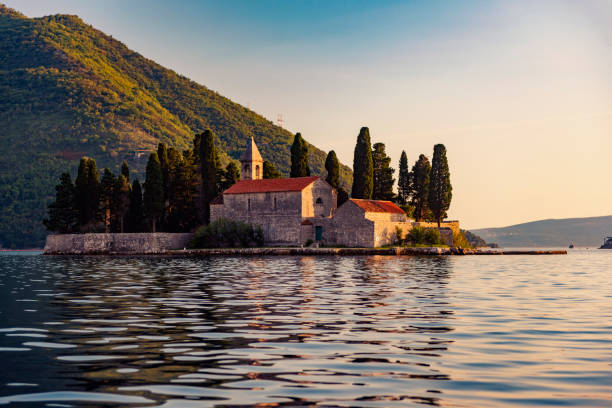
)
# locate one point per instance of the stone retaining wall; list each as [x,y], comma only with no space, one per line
[100,244]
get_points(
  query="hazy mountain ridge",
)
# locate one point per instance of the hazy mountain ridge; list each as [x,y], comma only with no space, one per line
[67,90]
[583,232]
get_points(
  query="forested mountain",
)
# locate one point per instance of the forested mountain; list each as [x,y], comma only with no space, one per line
[583,232]
[68,90]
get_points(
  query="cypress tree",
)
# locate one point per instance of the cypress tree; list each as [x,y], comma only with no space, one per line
[135,214]
[332,165]
[299,157]
[106,196]
[440,189]
[197,139]
[154,191]
[382,174]
[362,166]
[343,197]
[419,186]
[121,201]
[125,170]
[63,215]
[231,175]
[162,155]
[182,216]
[269,171]
[86,186]
[209,171]
[80,191]
[403,181]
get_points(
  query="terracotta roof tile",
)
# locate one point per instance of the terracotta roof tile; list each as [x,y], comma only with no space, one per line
[271,185]
[378,206]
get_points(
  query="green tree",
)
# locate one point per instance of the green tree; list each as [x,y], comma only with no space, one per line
[121,200]
[299,157]
[182,209]
[403,181]
[154,191]
[382,174]
[125,170]
[106,196]
[135,215]
[87,192]
[63,215]
[440,189]
[332,165]
[162,155]
[209,171]
[231,175]
[419,187]
[269,171]
[343,196]
[362,166]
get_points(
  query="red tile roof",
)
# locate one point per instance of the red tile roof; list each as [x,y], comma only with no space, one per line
[377,206]
[271,185]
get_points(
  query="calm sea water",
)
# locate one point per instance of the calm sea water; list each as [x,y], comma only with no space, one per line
[488,331]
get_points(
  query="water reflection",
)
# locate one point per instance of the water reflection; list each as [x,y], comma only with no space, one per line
[354,331]
[283,329]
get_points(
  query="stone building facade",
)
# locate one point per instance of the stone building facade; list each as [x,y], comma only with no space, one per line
[278,206]
[293,211]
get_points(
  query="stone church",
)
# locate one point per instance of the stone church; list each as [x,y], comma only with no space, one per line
[293,211]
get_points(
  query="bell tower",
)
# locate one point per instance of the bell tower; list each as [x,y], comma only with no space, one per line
[252,163]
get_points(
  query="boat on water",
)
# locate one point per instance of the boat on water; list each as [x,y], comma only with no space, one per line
[607,243]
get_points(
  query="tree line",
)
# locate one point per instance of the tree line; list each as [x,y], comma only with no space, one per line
[179,187]
[174,197]
[424,192]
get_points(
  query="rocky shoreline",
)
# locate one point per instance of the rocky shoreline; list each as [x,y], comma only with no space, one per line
[274,251]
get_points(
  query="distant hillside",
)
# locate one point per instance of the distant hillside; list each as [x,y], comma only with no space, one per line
[68,90]
[583,232]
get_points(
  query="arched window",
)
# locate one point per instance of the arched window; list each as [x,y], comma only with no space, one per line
[256,172]
[319,201]
[246,171]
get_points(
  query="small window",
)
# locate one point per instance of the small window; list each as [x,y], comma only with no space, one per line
[256,172]
[249,204]
[274,203]
[319,201]
[246,171]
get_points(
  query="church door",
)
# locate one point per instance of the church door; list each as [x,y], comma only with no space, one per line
[318,232]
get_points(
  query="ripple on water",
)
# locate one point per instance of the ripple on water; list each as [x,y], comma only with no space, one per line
[47,344]
[75,396]
[358,331]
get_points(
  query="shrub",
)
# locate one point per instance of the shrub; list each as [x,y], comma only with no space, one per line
[399,235]
[420,235]
[432,236]
[224,233]
[416,235]
[308,243]
[460,240]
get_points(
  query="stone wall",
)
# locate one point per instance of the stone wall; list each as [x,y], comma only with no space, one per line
[280,214]
[453,225]
[89,244]
[319,200]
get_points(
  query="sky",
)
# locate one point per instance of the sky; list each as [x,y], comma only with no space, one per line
[519,92]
